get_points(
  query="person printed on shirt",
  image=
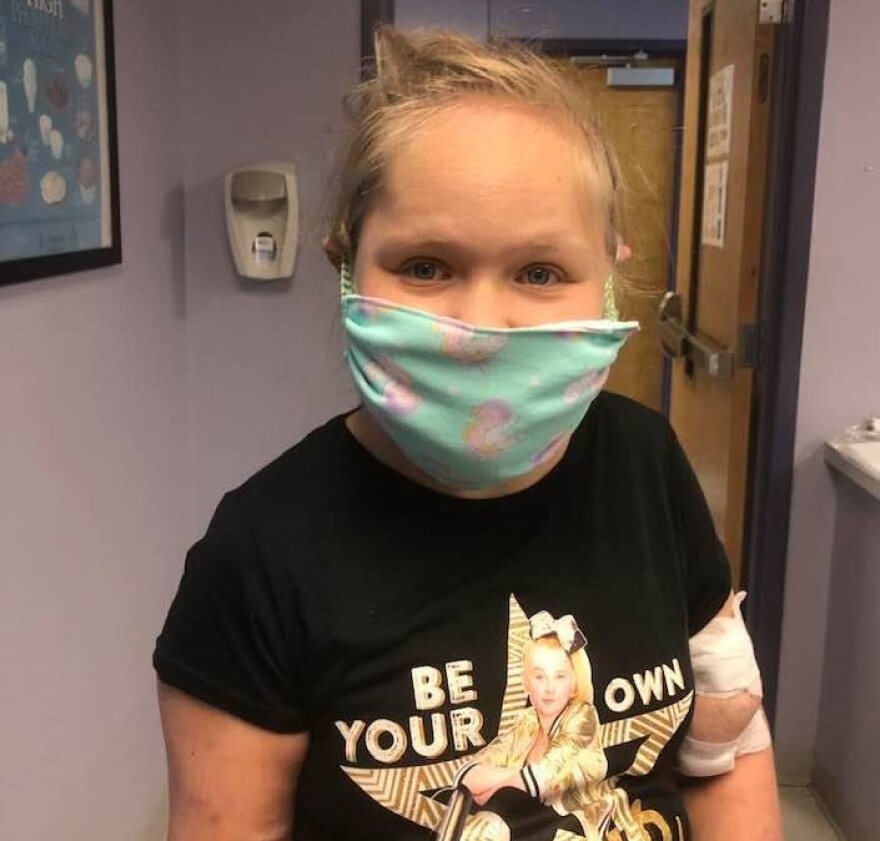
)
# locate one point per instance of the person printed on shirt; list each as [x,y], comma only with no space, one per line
[552,752]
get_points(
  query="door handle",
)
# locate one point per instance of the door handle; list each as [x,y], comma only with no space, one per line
[679,343]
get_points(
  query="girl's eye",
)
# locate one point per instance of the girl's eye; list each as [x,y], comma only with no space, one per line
[539,276]
[422,270]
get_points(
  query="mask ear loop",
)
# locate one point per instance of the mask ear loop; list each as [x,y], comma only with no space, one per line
[609,309]
[346,279]
[610,312]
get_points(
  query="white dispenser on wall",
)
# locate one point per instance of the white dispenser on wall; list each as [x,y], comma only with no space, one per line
[262,219]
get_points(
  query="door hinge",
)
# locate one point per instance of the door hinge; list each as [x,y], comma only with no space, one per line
[776,11]
[748,348]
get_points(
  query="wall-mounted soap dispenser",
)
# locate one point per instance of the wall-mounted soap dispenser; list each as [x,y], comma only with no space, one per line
[262,219]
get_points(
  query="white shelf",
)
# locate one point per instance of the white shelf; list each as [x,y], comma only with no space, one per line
[859,462]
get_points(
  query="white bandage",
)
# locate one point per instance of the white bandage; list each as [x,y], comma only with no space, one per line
[723,657]
[724,665]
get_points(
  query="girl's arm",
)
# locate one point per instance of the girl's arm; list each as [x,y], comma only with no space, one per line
[742,804]
[227,780]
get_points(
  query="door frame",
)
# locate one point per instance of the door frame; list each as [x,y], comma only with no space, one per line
[798,81]
[373,12]
[798,86]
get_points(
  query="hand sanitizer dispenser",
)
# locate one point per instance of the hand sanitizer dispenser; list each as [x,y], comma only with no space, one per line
[262,219]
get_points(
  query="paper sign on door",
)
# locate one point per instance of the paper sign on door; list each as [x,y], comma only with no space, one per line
[720,114]
[715,204]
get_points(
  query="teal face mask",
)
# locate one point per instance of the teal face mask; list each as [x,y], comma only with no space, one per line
[474,406]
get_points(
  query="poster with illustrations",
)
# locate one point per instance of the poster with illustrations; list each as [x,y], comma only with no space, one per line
[56,191]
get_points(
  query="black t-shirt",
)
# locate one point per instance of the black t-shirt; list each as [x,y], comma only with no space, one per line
[333,595]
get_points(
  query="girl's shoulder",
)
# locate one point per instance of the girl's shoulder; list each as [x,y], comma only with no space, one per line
[305,467]
[616,413]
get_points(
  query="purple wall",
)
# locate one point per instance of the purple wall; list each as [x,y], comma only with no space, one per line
[94,491]
[847,759]
[259,83]
[133,396]
[839,385]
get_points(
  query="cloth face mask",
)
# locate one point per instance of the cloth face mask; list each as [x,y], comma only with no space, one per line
[475,406]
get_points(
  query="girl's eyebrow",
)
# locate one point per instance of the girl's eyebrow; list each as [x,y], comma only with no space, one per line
[401,242]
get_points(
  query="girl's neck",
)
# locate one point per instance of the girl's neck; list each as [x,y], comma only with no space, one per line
[378,443]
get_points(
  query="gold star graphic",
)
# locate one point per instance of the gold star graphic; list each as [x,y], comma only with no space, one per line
[406,790]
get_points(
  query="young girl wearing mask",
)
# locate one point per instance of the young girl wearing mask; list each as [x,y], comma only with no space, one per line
[341,642]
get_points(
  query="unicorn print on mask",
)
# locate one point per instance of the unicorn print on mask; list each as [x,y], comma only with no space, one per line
[489,432]
[393,385]
[585,387]
[467,345]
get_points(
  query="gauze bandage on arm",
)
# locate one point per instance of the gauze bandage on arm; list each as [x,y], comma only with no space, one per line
[724,665]
[723,657]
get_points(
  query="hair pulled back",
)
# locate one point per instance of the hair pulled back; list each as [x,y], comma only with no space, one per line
[420,73]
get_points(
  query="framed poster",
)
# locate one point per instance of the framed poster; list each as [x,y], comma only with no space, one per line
[59,176]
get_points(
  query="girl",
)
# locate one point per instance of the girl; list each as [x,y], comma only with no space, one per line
[341,641]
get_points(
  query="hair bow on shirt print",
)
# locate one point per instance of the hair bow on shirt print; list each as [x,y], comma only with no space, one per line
[565,629]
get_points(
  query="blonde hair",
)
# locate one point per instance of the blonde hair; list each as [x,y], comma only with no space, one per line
[419,74]
[580,663]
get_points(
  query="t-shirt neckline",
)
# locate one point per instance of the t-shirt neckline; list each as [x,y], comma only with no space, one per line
[394,487]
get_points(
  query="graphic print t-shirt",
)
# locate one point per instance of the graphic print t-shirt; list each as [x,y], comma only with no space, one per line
[330,594]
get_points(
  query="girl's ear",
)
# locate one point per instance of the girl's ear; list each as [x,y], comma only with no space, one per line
[332,251]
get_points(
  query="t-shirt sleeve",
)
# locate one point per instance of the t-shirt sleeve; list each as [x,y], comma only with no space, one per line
[230,638]
[706,567]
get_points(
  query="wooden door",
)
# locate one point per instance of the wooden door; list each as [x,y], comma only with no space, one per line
[642,125]
[724,178]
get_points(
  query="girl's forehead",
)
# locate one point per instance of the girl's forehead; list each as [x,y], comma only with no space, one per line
[491,169]
[486,144]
